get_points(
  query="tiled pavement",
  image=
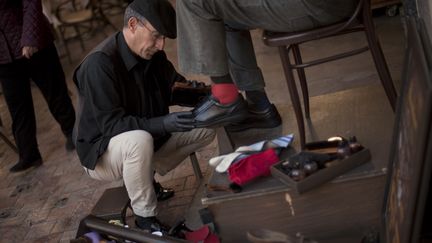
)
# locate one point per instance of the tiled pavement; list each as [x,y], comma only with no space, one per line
[47,203]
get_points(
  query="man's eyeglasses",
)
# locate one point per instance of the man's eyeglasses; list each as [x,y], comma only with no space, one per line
[156,35]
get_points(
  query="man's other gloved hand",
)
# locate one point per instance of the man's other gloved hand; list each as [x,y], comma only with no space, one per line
[179,121]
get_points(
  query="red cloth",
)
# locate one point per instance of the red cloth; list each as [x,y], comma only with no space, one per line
[202,234]
[251,167]
[198,235]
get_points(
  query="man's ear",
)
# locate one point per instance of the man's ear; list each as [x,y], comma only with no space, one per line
[132,24]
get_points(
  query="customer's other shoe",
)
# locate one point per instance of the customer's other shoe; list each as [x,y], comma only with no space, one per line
[151,224]
[162,193]
[24,165]
[211,113]
[267,118]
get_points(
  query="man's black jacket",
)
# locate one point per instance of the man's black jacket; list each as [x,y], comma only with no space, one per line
[120,92]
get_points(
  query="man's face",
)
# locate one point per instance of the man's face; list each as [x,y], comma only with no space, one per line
[145,39]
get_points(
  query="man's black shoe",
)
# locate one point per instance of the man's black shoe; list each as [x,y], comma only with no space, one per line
[151,224]
[24,165]
[268,118]
[162,193]
[211,113]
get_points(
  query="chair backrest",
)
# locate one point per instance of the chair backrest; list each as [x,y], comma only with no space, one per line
[74,11]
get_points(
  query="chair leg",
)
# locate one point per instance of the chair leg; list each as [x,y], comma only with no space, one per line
[78,32]
[6,139]
[295,100]
[106,20]
[64,42]
[379,59]
[302,79]
[8,142]
[195,166]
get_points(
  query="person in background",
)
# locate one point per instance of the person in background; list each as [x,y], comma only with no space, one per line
[214,40]
[27,52]
[124,128]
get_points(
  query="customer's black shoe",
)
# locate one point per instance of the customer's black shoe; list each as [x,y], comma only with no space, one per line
[211,113]
[24,165]
[268,118]
[162,193]
[151,225]
[69,145]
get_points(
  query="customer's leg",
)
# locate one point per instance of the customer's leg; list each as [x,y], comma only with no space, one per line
[201,33]
[244,68]
[47,72]
[129,156]
[201,40]
[179,147]
[17,93]
[248,77]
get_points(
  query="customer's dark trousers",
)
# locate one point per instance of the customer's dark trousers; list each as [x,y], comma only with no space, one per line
[45,70]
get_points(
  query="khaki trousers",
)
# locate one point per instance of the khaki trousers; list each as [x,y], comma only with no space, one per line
[130,157]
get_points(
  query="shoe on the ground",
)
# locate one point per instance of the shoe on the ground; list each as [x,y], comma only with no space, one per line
[151,225]
[162,193]
[69,145]
[211,113]
[24,165]
[268,118]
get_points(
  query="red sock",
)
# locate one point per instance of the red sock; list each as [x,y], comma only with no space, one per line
[225,93]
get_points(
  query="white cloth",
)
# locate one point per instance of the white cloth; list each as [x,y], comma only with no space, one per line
[223,162]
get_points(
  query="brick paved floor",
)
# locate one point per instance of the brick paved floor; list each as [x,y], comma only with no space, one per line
[46,204]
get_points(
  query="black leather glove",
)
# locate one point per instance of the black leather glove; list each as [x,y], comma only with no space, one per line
[179,121]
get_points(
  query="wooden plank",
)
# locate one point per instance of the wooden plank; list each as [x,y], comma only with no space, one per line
[334,211]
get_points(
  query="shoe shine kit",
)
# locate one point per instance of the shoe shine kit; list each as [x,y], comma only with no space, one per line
[320,162]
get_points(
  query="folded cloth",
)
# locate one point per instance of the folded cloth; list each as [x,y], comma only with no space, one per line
[223,162]
[253,166]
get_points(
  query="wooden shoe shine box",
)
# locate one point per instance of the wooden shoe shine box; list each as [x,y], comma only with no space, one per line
[335,168]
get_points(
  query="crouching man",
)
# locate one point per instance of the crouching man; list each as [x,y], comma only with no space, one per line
[124,128]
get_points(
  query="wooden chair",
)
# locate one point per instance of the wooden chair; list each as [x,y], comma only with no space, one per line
[72,19]
[361,20]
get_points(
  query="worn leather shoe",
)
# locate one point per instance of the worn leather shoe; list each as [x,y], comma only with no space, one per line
[162,193]
[24,165]
[211,113]
[268,118]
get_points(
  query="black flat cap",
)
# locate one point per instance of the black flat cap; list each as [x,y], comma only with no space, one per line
[160,14]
